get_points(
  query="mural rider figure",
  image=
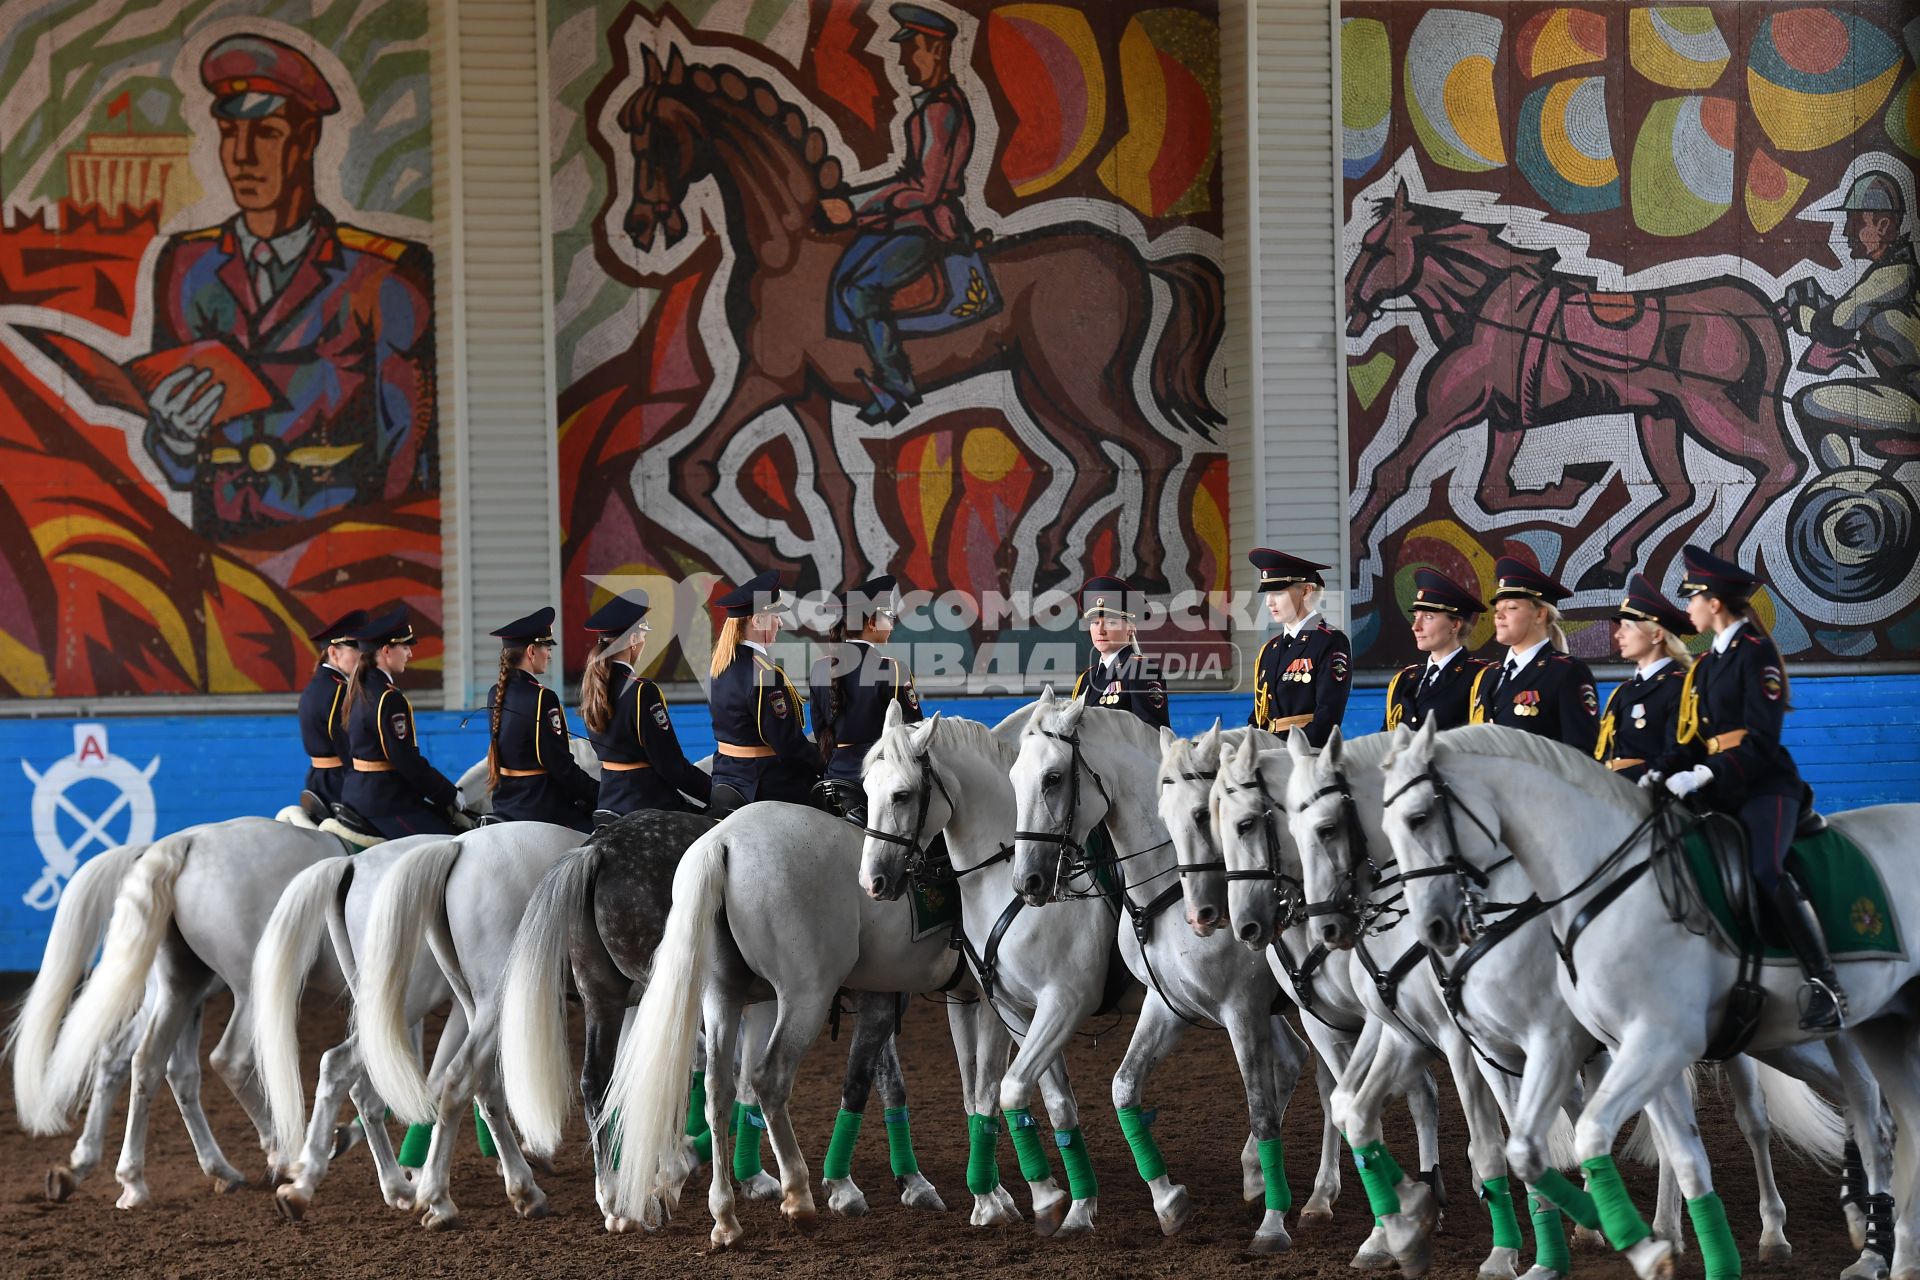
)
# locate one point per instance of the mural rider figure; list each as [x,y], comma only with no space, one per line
[335,321]
[909,221]
[1877,321]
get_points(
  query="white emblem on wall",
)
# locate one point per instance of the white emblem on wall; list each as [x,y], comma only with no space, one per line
[125,819]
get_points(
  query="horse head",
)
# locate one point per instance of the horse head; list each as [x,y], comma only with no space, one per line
[1247,828]
[1187,770]
[906,804]
[1425,839]
[669,154]
[1056,804]
[1385,266]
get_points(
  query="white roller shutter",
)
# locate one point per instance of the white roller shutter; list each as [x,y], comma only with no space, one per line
[497,399]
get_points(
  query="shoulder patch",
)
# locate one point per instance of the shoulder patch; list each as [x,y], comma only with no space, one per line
[777,702]
[660,716]
[362,241]
[397,725]
[1771,683]
[1590,699]
[1337,668]
[1156,696]
[556,721]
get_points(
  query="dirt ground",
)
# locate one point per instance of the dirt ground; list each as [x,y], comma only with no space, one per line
[191,1232]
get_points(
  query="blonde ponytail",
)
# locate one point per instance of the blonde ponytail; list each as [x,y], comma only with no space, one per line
[1556,634]
[726,645]
[596,700]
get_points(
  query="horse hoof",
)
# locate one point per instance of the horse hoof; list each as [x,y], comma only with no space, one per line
[845,1199]
[1372,1260]
[1314,1215]
[1047,1218]
[761,1186]
[1277,1242]
[917,1193]
[1501,1264]
[1652,1259]
[1871,1266]
[1588,1238]
[226,1186]
[531,1207]
[807,1222]
[1177,1213]
[292,1203]
[726,1237]
[435,1221]
[1073,1231]
[61,1183]
[1775,1255]
[133,1198]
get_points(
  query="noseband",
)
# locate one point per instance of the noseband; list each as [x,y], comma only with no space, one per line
[915,845]
[1473,880]
[1288,892]
[1073,854]
[1196,868]
[1354,892]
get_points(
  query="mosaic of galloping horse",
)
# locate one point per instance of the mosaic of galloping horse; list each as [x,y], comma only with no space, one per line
[1704,360]
[1077,309]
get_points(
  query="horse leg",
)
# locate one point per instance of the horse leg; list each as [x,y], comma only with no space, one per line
[872,1033]
[396,1182]
[1891,1048]
[232,1057]
[183,986]
[1047,1033]
[1270,1056]
[755,1182]
[1318,1209]
[797,1021]
[109,1075]
[338,1066]
[1865,1105]
[1645,1064]
[979,1088]
[696,468]
[596,1068]
[433,1193]
[1087,469]
[1661,439]
[528,1200]
[1384,1063]
[915,1191]
[1756,1126]
[1551,1076]
[1410,1232]
[1154,1036]
[722,1018]
[183,1078]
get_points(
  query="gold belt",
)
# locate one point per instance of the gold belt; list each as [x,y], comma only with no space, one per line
[742,753]
[623,766]
[522,773]
[1280,724]
[372,766]
[1725,741]
[324,762]
[1624,762]
[265,455]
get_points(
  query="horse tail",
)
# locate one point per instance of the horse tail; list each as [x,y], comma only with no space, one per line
[647,1095]
[533,1014]
[414,887]
[77,924]
[1195,322]
[142,912]
[1809,1124]
[281,964]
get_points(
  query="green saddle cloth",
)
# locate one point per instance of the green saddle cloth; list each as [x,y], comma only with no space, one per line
[936,907]
[1841,881]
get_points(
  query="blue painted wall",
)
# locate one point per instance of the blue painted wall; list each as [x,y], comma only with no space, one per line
[1857,739]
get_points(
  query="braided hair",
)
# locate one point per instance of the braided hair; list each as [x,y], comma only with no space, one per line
[510,654]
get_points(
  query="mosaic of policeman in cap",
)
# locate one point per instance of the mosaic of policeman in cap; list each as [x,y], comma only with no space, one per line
[1642,715]
[911,219]
[530,766]
[323,724]
[391,786]
[1728,755]
[1301,677]
[850,688]
[1536,685]
[1119,676]
[1437,688]
[761,748]
[642,765]
[336,321]
[1876,322]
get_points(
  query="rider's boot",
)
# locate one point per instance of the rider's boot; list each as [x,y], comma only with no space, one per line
[1826,1004]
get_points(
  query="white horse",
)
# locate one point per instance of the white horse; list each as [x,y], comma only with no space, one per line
[464,895]
[1079,768]
[1046,972]
[783,879]
[1647,986]
[1501,997]
[330,901]
[1218,892]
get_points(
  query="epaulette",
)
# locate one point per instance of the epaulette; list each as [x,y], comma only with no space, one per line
[201,233]
[1407,671]
[367,242]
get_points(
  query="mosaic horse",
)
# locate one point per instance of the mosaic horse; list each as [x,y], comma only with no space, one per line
[1702,361]
[1071,365]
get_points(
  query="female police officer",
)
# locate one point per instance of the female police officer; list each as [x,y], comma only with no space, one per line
[1302,676]
[530,766]
[1437,689]
[1539,687]
[1642,714]
[392,786]
[760,749]
[1728,752]
[641,763]
[1119,677]
[323,721]
[850,688]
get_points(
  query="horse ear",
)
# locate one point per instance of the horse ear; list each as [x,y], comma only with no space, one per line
[1210,741]
[1334,745]
[1247,757]
[1042,706]
[923,734]
[1297,746]
[676,66]
[895,717]
[650,72]
[1423,740]
[1168,739]
[1070,718]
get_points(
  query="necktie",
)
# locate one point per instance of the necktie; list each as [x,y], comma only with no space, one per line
[262,256]
[1426,681]
[1507,673]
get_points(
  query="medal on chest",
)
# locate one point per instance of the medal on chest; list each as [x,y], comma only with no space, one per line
[1299,670]
[1526,702]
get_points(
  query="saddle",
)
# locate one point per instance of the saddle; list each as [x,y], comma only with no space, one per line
[723,800]
[1614,330]
[604,818]
[842,798]
[1726,844]
[314,807]
[954,290]
[347,824]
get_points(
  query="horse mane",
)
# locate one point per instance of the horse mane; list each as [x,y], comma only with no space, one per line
[741,94]
[1139,733]
[972,735]
[1575,768]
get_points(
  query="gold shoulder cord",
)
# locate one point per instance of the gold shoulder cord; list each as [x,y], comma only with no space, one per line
[1394,715]
[1689,727]
[1605,744]
[1477,714]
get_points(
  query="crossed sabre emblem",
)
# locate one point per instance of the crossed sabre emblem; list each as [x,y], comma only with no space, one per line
[90,762]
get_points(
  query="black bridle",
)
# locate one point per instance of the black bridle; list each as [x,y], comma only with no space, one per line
[1289,894]
[1073,859]
[915,845]
[1353,896]
[1473,880]
[1196,868]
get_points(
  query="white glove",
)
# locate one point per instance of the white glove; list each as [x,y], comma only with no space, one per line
[183,406]
[1649,780]
[1685,784]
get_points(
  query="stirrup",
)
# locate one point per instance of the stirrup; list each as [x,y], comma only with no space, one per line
[1809,992]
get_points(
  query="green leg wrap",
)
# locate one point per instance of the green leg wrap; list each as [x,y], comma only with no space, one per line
[1081,1184]
[748,1125]
[413,1147]
[1137,1126]
[1379,1174]
[1718,1253]
[900,1143]
[1618,1218]
[1498,1194]
[1573,1202]
[983,1154]
[1549,1237]
[702,1146]
[1034,1166]
[1273,1168]
[846,1132]
[697,1105]
[484,1134]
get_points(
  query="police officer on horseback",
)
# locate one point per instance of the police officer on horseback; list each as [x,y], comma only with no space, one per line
[530,766]
[641,763]
[1642,714]
[323,721]
[1729,754]
[762,751]
[1119,676]
[850,688]
[1437,689]
[1538,686]
[391,786]
[1303,675]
